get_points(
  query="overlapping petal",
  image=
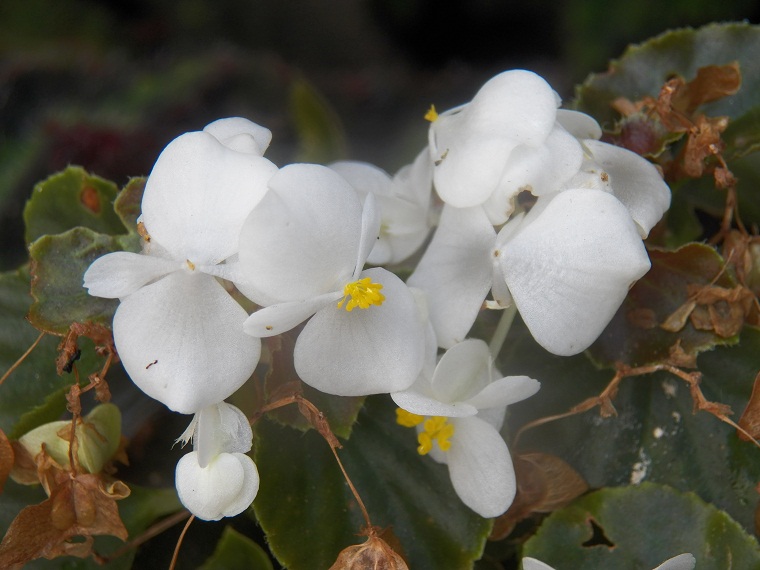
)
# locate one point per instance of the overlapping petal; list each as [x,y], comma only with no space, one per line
[121,273]
[241,135]
[456,272]
[570,268]
[281,317]
[198,195]
[181,340]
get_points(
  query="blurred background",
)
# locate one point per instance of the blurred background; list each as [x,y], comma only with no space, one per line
[106,85]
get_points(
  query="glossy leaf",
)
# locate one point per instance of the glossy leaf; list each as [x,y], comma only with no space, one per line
[640,527]
[235,551]
[656,435]
[309,515]
[69,199]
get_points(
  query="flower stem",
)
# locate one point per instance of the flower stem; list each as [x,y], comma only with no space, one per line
[502,329]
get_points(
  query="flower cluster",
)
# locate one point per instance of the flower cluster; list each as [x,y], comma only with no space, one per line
[535,211]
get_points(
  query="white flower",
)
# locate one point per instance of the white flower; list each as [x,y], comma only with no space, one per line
[458,411]
[217,479]
[302,250]
[680,562]
[403,201]
[177,331]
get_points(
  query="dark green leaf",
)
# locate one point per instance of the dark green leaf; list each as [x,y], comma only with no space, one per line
[320,133]
[656,435]
[58,266]
[634,335]
[645,525]
[309,514]
[235,551]
[69,199]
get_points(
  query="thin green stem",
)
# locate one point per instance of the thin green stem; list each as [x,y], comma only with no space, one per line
[502,329]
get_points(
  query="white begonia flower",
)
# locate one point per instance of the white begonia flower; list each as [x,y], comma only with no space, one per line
[177,330]
[403,201]
[458,411]
[217,479]
[506,140]
[302,249]
[680,562]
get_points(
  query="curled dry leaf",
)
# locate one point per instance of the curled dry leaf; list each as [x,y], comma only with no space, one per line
[545,483]
[6,459]
[750,420]
[374,554]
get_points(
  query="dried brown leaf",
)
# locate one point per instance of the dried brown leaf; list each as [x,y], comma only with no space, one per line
[711,83]
[750,420]
[374,554]
[6,459]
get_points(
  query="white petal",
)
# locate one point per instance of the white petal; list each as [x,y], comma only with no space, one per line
[417,403]
[456,271]
[370,232]
[198,194]
[366,351]
[533,564]
[680,562]
[635,182]
[302,240]
[570,268]
[504,392]
[366,178]
[463,371]
[181,341]
[221,428]
[280,318]
[121,273]
[539,170]
[480,467]
[404,227]
[224,488]
[240,134]
[415,181]
[470,146]
[578,124]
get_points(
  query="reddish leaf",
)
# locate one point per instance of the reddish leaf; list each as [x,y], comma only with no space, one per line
[750,420]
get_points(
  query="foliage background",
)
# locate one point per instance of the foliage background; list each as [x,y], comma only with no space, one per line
[105,85]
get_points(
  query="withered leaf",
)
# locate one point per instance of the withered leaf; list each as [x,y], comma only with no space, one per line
[6,459]
[750,420]
[711,83]
[374,554]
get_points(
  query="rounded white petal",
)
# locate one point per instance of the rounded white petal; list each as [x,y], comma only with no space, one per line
[463,371]
[240,134]
[456,272]
[366,178]
[420,404]
[480,467]
[569,268]
[181,341]
[680,562]
[580,125]
[198,194]
[221,428]
[533,564]
[302,240]
[539,170]
[121,273]
[469,146]
[505,392]
[366,351]
[224,488]
[634,181]
[280,318]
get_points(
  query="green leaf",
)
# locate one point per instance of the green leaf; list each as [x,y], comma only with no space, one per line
[647,524]
[58,266]
[320,133]
[644,68]
[309,514]
[69,199]
[634,335]
[656,435]
[128,204]
[235,551]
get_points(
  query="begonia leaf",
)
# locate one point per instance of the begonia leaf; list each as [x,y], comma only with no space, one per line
[320,133]
[69,199]
[127,203]
[656,435]
[235,551]
[636,336]
[632,528]
[309,514]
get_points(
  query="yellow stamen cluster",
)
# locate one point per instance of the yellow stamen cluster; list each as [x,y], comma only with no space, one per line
[432,114]
[434,429]
[363,293]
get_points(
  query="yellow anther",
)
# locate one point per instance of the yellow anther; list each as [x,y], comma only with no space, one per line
[432,114]
[438,429]
[190,265]
[408,419]
[363,293]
